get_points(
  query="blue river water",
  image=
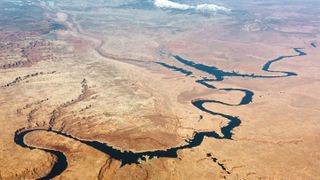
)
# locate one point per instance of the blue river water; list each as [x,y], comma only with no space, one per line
[215,75]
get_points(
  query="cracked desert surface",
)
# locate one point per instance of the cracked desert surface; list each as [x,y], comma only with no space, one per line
[159,89]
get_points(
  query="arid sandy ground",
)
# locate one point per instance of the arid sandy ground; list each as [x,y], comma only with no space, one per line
[95,79]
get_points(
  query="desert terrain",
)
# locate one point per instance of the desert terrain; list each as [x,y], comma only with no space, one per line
[159,89]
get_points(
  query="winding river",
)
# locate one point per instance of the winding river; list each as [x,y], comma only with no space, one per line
[128,157]
[59,166]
